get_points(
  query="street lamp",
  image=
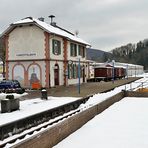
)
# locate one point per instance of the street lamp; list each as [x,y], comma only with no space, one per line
[113,70]
[127,71]
[135,71]
[79,74]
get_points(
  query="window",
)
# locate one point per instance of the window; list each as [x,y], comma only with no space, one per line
[72,71]
[81,51]
[56,46]
[73,49]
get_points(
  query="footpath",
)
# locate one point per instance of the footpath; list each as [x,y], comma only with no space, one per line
[85,89]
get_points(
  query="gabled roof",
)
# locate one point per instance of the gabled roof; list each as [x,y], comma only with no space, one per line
[46,27]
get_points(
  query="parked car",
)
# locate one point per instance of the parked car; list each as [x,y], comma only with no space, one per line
[11,86]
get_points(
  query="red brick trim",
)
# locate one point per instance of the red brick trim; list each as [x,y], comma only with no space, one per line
[7,56]
[65,61]
[47,56]
[46,45]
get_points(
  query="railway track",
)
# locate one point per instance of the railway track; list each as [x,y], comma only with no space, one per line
[23,124]
[28,126]
[36,129]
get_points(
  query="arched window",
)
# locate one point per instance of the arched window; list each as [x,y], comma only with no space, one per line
[34,74]
[18,74]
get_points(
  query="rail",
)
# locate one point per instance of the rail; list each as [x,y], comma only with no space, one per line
[21,125]
[37,129]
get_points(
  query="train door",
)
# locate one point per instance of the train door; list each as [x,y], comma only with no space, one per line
[83,72]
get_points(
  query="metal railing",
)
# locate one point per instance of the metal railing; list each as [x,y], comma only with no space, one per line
[136,85]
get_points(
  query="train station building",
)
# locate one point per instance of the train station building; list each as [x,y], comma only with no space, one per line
[43,55]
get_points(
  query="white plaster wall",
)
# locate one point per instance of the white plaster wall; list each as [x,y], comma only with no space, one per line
[10,70]
[61,77]
[27,42]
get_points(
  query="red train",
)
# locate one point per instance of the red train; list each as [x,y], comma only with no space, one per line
[107,73]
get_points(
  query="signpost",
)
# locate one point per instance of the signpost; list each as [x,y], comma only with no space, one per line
[79,75]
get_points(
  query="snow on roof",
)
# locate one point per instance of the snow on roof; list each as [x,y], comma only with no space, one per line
[127,64]
[50,29]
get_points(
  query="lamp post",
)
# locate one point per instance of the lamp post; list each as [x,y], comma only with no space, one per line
[127,71]
[79,74]
[135,71]
[113,70]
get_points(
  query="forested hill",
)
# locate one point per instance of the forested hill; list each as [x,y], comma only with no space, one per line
[132,53]
[96,55]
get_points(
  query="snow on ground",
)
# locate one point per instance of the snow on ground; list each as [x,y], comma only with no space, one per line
[30,107]
[97,98]
[123,125]
[3,95]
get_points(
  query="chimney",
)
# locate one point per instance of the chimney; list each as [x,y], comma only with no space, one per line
[53,24]
[51,20]
[41,19]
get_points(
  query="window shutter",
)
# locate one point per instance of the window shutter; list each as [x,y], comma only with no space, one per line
[70,49]
[68,72]
[53,46]
[59,47]
[75,49]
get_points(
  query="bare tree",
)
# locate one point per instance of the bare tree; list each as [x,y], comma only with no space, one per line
[2,54]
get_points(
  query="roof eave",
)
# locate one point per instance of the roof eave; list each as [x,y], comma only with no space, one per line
[13,25]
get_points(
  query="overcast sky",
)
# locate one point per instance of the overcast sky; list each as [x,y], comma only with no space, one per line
[105,24]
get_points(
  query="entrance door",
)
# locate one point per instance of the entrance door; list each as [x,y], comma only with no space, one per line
[83,73]
[56,74]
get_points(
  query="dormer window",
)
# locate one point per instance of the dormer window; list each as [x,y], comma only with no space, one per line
[56,47]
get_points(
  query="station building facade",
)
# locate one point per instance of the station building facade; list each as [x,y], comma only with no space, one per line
[44,54]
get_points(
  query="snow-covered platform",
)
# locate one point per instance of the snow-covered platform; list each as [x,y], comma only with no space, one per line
[32,107]
[95,102]
[124,124]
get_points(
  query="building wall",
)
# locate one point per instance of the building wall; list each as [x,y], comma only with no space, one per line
[26,42]
[26,54]
[30,54]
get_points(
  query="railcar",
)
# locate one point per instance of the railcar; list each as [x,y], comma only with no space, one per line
[119,72]
[107,73]
[103,73]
